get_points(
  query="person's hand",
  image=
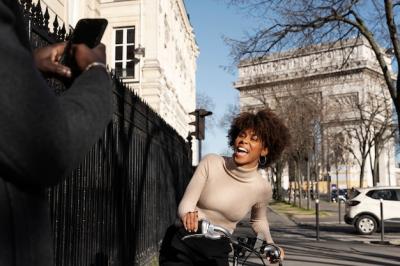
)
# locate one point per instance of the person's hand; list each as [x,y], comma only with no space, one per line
[190,221]
[84,56]
[47,60]
[273,259]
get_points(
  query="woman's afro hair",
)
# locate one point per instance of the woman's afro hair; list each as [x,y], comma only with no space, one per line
[267,126]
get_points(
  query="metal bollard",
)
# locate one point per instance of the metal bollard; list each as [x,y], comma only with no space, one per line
[317,217]
[382,223]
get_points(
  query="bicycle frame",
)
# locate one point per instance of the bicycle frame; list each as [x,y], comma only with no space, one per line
[239,250]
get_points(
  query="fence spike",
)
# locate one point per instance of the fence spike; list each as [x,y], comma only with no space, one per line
[22,4]
[55,26]
[39,14]
[62,32]
[29,5]
[46,18]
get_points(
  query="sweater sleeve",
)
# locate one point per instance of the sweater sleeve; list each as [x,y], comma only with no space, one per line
[42,136]
[194,188]
[258,219]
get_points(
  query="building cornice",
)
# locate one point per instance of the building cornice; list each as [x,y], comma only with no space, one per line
[306,51]
[268,80]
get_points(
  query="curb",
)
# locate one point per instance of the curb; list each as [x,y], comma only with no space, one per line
[384,243]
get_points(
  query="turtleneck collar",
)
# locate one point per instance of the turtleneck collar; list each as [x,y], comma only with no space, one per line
[239,173]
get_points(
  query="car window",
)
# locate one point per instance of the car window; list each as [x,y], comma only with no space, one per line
[353,193]
[385,194]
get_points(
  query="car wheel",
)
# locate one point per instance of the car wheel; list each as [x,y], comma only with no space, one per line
[366,224]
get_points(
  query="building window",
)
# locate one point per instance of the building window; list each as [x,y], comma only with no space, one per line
[124,61]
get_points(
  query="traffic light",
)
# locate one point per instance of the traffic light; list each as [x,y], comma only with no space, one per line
[199,123]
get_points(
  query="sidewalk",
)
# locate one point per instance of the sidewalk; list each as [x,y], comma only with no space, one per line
[329,213]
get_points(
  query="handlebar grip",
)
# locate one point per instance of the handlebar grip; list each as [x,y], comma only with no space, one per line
[210,231]
[273,253]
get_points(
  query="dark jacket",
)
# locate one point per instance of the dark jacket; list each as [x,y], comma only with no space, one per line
[42,138]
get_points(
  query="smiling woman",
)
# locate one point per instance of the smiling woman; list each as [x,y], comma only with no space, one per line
[224,189]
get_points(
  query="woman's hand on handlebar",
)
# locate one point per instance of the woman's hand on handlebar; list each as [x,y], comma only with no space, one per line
[274,260]
[190,221]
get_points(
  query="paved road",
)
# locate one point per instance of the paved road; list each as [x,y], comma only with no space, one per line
[330,229]
[338,244]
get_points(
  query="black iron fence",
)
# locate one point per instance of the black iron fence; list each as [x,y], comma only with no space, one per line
[115,207]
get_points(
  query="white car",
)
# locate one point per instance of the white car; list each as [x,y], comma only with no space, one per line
[363,208]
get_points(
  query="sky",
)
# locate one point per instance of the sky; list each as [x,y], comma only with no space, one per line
[211,20]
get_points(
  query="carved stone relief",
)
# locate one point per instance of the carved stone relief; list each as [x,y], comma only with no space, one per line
[344,101]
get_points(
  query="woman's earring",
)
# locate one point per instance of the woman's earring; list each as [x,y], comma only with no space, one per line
[262,160]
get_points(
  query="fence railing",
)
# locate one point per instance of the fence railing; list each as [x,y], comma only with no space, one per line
[115,207]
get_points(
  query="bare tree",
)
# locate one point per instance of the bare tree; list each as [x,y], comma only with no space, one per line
[298,23]
[232,110]
[383,131]
[369,125]
[300,107]
[277,171]
[203,101]
[337,154]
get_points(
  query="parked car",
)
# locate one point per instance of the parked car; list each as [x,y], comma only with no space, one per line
[363,208]
[342,195]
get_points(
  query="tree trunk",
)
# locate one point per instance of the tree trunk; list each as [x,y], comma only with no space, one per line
[295,191]
[308,186]
[300,178]
[329,187]
[278,181]
[316,191]
[362,172]
[376,167]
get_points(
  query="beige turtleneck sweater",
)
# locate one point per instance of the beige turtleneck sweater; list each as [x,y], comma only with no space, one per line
[224,193]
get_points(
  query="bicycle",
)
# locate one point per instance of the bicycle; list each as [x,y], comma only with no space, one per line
[240,246]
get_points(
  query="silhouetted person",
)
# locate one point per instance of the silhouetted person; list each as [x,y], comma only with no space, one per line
[42,137]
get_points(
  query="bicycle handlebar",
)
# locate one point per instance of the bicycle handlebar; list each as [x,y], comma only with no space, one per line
[273,252]
[211,231]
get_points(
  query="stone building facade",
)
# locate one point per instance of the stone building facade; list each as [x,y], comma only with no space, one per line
[151,45]
[339,77]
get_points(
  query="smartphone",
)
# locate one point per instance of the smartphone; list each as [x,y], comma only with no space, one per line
[88,31]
